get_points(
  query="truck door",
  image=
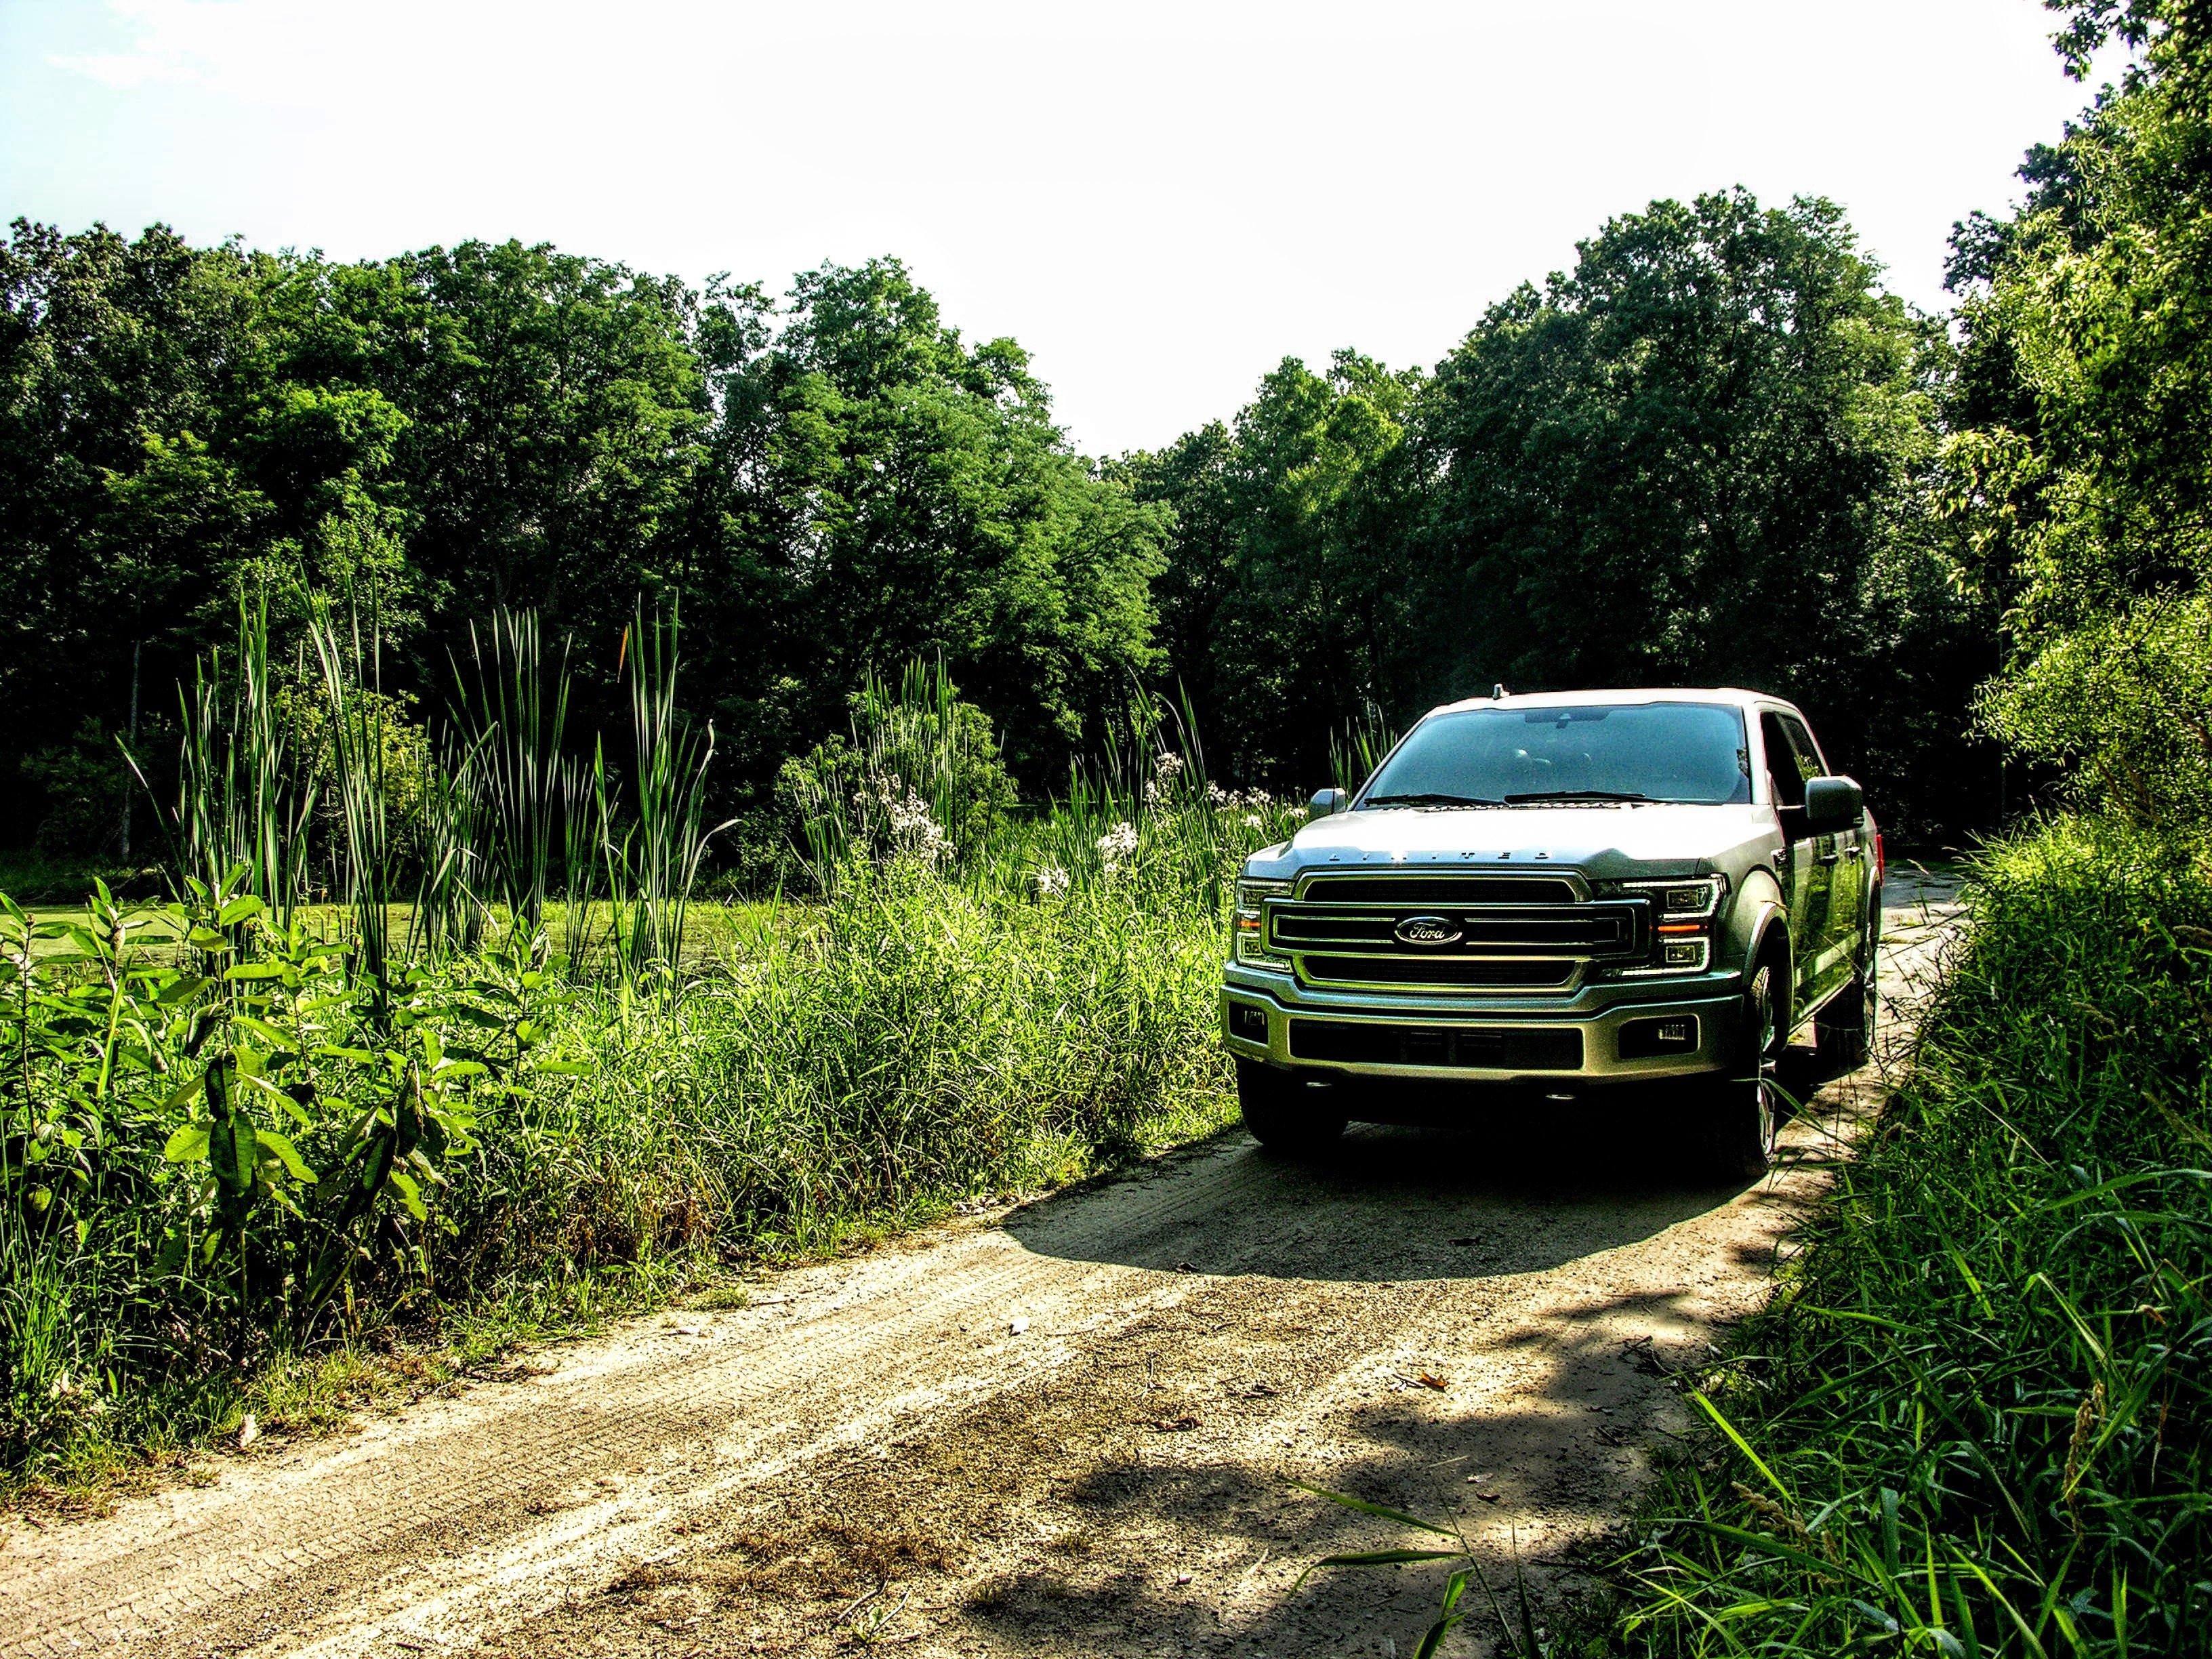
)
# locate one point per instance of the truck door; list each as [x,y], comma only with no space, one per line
[1805,877]
[1845,860]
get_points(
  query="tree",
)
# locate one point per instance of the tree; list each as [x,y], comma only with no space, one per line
[2083,463]
[886,493]
[1287,596]
[1704,456]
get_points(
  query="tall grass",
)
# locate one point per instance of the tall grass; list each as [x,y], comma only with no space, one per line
[513,702]
[308,1121]
[1976,1418]
[242,799]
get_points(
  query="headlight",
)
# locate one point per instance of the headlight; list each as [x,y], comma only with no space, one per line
[1251,942]
[1687,907]
[1687,899]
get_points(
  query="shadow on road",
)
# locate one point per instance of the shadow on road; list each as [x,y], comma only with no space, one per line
[1494,1184]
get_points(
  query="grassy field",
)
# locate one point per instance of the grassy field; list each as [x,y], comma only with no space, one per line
[1975,1419]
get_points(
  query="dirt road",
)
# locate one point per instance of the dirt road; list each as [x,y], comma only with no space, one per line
[1069,1428]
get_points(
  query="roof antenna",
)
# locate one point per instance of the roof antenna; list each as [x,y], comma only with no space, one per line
[1499,693]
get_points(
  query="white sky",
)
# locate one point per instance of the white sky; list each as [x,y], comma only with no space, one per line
[1159,200]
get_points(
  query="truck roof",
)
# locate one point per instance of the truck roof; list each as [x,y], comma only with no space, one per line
[1723,694]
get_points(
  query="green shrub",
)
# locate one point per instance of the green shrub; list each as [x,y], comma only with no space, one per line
[2124,706]
[1975,1419]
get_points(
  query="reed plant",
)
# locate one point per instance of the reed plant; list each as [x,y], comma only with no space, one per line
[513,703]
[243,798]
[653,844]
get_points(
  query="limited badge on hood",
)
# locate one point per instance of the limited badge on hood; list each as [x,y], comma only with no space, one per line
[1426,930]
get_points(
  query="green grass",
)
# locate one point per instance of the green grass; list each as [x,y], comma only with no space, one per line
[822,1074]
[1975,1419]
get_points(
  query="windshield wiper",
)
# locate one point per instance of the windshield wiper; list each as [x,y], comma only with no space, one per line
[1430,800]
[1575,794]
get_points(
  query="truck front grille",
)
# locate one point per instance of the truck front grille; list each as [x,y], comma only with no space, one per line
[1503,1048]
[1452,933]
[1464,973]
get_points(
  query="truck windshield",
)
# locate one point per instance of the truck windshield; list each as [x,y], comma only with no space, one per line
[1693,752]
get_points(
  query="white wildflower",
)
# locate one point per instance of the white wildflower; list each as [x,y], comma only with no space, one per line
[1116,848]
[1169,765]
[1217,796]
[1254,821]
[913,829]
[1052,882]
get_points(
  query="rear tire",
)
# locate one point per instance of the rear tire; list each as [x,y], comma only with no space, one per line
[1843,1032]
[1282,1114]
[1741,1125]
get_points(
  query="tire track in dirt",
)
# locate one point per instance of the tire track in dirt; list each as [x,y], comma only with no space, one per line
[881,1453]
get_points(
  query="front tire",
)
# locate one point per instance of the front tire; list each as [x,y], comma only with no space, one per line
[1741,1129]
[1282,1114]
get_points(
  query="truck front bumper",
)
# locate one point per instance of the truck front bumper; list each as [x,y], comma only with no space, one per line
[1616,1031]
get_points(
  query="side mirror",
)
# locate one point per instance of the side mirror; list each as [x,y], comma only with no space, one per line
[1325,801]
[1832,804]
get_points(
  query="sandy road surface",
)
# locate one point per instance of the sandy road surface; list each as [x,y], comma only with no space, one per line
[1067,1429]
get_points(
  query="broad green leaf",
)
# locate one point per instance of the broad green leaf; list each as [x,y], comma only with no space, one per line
[188,1145]
[410,1194]
[287,1154]
[244,907]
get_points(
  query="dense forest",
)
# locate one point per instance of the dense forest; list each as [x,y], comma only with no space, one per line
[1710,453]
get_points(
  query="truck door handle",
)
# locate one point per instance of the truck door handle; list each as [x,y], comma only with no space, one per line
[1828,857]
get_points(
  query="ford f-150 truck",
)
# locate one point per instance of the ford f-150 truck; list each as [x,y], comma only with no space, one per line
[1558,894]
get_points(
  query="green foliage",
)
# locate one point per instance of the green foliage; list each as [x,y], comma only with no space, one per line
[86,782]
[2123,708]
[1975,1418]
[921,778]
[1706,455]
[834,489]
[2083,463]
[1292,603]
[208,1120]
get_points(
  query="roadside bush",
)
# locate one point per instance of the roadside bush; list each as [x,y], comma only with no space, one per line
[1975,1419]
[911,1041]
[2124,706]
[921,777]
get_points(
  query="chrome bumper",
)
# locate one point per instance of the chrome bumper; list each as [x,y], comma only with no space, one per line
[1451,1028]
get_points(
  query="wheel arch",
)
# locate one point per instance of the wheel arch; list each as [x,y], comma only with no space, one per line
[1768,939]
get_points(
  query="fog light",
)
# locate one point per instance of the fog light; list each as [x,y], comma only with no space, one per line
[1643,1039]
[1248,1022]
[1682,953]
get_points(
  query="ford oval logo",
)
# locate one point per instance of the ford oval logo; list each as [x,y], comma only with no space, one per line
[1426,930]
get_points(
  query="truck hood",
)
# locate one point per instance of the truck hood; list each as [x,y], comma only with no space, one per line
[1605,841]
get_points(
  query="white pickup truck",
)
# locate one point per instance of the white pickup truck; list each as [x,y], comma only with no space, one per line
[1558,894]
